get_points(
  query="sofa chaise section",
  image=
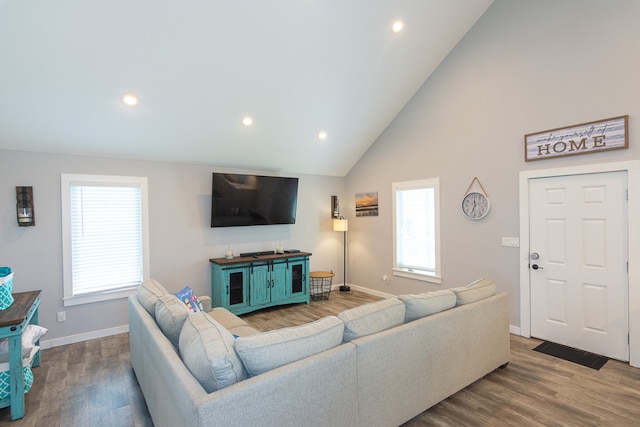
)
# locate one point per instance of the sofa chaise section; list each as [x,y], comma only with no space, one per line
[405,370]
[318,390]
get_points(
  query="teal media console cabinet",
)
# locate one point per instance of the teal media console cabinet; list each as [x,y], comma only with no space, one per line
[249,283]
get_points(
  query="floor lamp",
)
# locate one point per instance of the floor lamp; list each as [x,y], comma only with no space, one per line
[342,224]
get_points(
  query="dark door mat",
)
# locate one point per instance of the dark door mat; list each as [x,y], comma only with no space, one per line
[580,357]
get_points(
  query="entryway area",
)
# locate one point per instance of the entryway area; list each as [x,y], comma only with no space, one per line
[578,283]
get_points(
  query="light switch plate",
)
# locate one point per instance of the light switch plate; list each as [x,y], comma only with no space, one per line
[512,242]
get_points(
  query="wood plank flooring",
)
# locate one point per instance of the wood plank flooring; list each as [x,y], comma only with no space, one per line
[299,314]
[92,384]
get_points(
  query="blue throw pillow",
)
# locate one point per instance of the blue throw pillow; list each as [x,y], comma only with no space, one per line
[187,296]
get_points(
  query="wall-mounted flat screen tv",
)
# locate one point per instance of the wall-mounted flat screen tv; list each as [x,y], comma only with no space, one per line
[238,200]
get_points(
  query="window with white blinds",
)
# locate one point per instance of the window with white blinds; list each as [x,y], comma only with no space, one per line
[104,236]
[416,229]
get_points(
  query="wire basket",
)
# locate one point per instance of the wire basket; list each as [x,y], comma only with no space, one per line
[320,284]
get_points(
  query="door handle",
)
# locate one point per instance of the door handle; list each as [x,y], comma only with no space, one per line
[536,267]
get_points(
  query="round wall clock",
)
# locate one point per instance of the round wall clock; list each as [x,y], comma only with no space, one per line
[475,204]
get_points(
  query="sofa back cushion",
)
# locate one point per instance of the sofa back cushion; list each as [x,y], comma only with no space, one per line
[206,348]
[474,291]
[148,293]
[428,303]
[373,317]
[269,350]
[170,316]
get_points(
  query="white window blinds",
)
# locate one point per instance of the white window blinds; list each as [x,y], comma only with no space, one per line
[104,236]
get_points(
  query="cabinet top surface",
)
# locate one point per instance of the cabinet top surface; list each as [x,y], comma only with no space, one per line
[18,311]
[259,258]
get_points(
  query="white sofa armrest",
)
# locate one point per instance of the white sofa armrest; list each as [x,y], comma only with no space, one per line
[205,300]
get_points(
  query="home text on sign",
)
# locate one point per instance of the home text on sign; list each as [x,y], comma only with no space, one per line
[602,135]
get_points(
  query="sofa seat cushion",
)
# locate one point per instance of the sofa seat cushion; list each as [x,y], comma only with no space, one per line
[234,324]
[243,331]
[428,303]
[227,318]
[170,316]
[206,348]
[265,351]
[474,291]
[371,318]
[148,293]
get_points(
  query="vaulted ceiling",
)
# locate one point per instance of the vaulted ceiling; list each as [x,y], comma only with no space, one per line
[198,68]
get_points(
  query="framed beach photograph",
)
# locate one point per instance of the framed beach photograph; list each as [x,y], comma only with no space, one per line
[367,204]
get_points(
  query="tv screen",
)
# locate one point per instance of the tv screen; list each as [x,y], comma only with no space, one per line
[238,200]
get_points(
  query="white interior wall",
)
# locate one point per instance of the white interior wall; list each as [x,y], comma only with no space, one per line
[524,67]
[181,239]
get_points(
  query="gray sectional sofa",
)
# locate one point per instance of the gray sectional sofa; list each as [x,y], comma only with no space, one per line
[379,364]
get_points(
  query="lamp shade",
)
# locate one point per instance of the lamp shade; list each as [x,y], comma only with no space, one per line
[340,224]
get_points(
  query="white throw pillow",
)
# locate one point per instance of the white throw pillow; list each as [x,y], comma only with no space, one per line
[371,318]
[426,304]
[30,336]
[206,348]
[265,351]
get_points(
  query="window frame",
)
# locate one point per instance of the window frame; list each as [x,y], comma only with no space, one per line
[426,276]
[66,181]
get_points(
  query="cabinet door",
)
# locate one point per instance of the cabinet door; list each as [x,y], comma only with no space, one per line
[279,281]
[236,288]
[260,285]
[298,278]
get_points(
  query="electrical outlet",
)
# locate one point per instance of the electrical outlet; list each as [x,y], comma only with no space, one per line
[62,316]
[385,279]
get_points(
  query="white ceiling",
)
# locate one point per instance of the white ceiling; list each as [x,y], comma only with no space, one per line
[296,66]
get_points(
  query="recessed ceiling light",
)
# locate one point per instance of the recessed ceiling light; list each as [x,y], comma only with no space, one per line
[129,99]
[322,135]
[397,26]
[247,120]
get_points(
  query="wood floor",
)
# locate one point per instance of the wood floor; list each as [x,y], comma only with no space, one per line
[92,384]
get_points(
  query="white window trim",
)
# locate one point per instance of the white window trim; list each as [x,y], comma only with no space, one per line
[403,272]
[66,180]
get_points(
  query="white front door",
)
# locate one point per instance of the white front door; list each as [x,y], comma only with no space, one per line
[578,262]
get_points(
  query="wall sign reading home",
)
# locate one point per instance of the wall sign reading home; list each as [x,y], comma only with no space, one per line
[590,137]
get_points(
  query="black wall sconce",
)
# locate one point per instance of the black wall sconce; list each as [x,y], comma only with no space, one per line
[25,213]
[335,207]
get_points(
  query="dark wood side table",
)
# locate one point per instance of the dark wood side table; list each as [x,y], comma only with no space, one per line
[13,321]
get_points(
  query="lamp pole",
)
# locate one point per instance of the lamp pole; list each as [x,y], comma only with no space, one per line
[342,224]
[344,287]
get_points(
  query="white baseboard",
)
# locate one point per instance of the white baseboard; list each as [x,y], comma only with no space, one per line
[365,290]
[71,339]
[514,330]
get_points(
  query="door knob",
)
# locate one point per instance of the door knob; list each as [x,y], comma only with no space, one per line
[535,255]
[536,267]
